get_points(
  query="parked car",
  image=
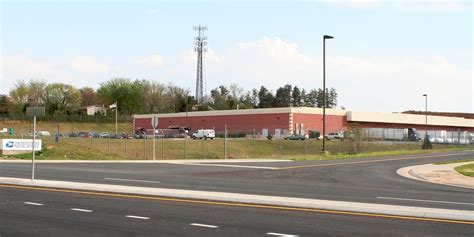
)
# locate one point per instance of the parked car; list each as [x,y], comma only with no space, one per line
[84,135]
[126,136]
[38,134]
[333,135]
[73,134]
[204,134]
[299,137]
[104,135]
[139,135]
[94,135]
[114,136]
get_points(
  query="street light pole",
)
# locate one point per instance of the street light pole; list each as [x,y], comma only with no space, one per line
[426,114]
[324,89]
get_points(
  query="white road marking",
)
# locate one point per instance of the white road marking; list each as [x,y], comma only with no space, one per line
[138,217]
[34,203]
[134,180]
[81,210]
[233,166]
[279,234]
[203,225]
[421,200]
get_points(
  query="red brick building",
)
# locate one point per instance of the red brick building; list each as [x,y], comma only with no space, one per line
[299,120]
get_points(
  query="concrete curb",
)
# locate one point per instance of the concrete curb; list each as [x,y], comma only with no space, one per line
[420,212]
[437,174]
[147,161]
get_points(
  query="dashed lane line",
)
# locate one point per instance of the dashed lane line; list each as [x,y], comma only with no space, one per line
[220,203]
[81,210]
[34,203]
[279,234]
[138,217]
[204,225]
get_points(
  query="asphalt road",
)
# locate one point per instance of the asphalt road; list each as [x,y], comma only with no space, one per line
[43,213]
[371,180]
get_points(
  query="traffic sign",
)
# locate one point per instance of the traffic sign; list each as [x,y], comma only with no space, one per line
[154,121]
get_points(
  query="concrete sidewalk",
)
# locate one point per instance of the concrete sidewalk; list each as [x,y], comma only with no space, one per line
[419,212]
[439,174]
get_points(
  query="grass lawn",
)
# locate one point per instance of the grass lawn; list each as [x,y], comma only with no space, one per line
[467,170]
[240,148]
[237,148]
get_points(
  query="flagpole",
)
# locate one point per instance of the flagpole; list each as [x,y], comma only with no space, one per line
[116,126]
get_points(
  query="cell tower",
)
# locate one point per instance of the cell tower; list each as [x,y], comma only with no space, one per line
[200,48]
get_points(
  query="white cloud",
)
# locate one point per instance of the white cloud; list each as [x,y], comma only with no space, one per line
[373,84]
[86,64]
[155,60]
[80,71]
[18,67]
[363,83]
[190,56]
[25,67]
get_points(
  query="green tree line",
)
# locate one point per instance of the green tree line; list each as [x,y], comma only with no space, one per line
[145,96]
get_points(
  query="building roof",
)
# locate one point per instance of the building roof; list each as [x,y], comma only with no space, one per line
[401,118]
[287,110]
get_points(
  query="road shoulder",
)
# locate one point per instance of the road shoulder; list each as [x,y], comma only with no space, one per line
[236,199]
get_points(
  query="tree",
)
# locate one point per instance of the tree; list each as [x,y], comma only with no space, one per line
[332,98]
[312,98]
[89,96]
[220,98]
[36,89]
[283,96]
[4,104]
[19,97]
[306,99]
[265,98]
[246,101]
[297,97]
[61,98]
[123,91]
[24,94]
[177,98]
[255,98]
[154,97]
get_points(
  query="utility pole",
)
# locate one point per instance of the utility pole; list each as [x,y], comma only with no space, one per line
[200,47]
[324,90]
[426,114]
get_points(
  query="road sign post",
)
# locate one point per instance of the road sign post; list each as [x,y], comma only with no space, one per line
[34,112]
[154,124]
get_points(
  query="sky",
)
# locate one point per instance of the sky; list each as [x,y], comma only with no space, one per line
[384,56]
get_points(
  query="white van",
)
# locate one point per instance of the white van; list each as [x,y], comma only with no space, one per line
[204,133]
[42,133]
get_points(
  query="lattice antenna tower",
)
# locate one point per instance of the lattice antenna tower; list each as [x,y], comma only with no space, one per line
[200,46]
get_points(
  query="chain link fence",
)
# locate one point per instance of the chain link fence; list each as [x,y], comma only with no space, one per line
[234,144]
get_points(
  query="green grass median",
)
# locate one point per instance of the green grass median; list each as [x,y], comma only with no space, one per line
[467,170]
